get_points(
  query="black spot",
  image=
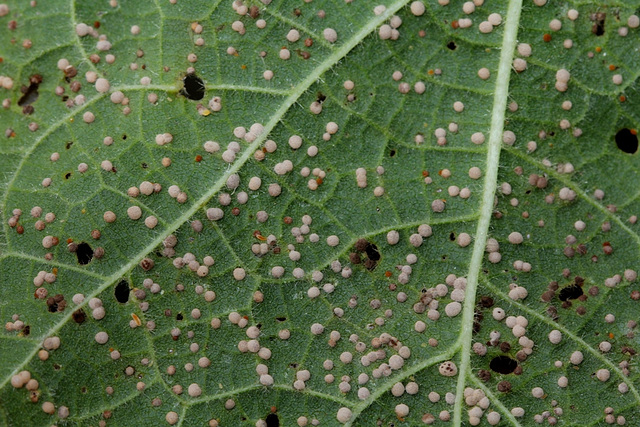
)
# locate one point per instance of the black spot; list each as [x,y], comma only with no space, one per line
[26,331]
[627,141]
[503,364]
[193,87]
[84,253]
[79,316]
[572,291]
[67,175]
[179,316]
[122,292]
[452,236]
[144,165]
[124,136]
[321,97]
[281,319]
[392,153]
[68,145]
[452,45]
[272,420]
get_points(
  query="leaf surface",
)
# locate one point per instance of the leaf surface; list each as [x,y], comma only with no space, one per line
[319,213]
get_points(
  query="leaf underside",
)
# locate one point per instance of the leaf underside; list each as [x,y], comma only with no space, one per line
[369,229]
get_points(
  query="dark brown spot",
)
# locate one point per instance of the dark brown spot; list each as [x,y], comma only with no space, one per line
[98,252]
[146,264]
[504,386]
[484,375]
[361,245]
[79,316]
[369,264]
[486,302]
[547,296]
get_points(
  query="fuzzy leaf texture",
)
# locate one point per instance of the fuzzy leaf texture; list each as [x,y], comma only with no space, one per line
[327,212]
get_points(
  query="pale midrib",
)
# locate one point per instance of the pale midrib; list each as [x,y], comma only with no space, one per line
[500,96]
[295,93]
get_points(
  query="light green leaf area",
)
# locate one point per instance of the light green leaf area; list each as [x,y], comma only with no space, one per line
[321,212]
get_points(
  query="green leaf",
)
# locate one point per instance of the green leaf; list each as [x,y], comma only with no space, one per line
[319,213]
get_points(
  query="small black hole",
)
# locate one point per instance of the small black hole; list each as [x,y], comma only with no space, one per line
[321,97]
[598,25]
[452,45]
[272,420]
[570,292]
[122,292]
[193,87]
[84,253]
[30,96]
[503,364]
[179,316]
[627,141]
[392,153]
[372,252]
